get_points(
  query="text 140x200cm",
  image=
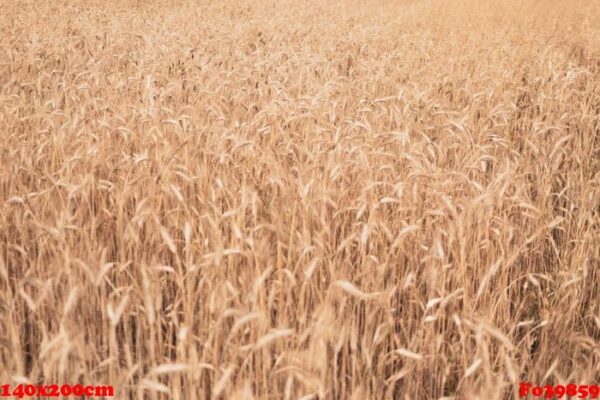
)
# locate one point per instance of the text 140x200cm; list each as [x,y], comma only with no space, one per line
[21,391]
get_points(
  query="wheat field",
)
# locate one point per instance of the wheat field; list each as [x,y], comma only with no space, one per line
[264,199]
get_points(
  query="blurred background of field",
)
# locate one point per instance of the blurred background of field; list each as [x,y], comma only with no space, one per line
[274,199]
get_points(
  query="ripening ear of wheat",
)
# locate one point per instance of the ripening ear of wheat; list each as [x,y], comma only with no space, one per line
[259,199]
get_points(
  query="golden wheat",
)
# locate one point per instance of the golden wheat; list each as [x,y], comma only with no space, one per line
[266,199]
